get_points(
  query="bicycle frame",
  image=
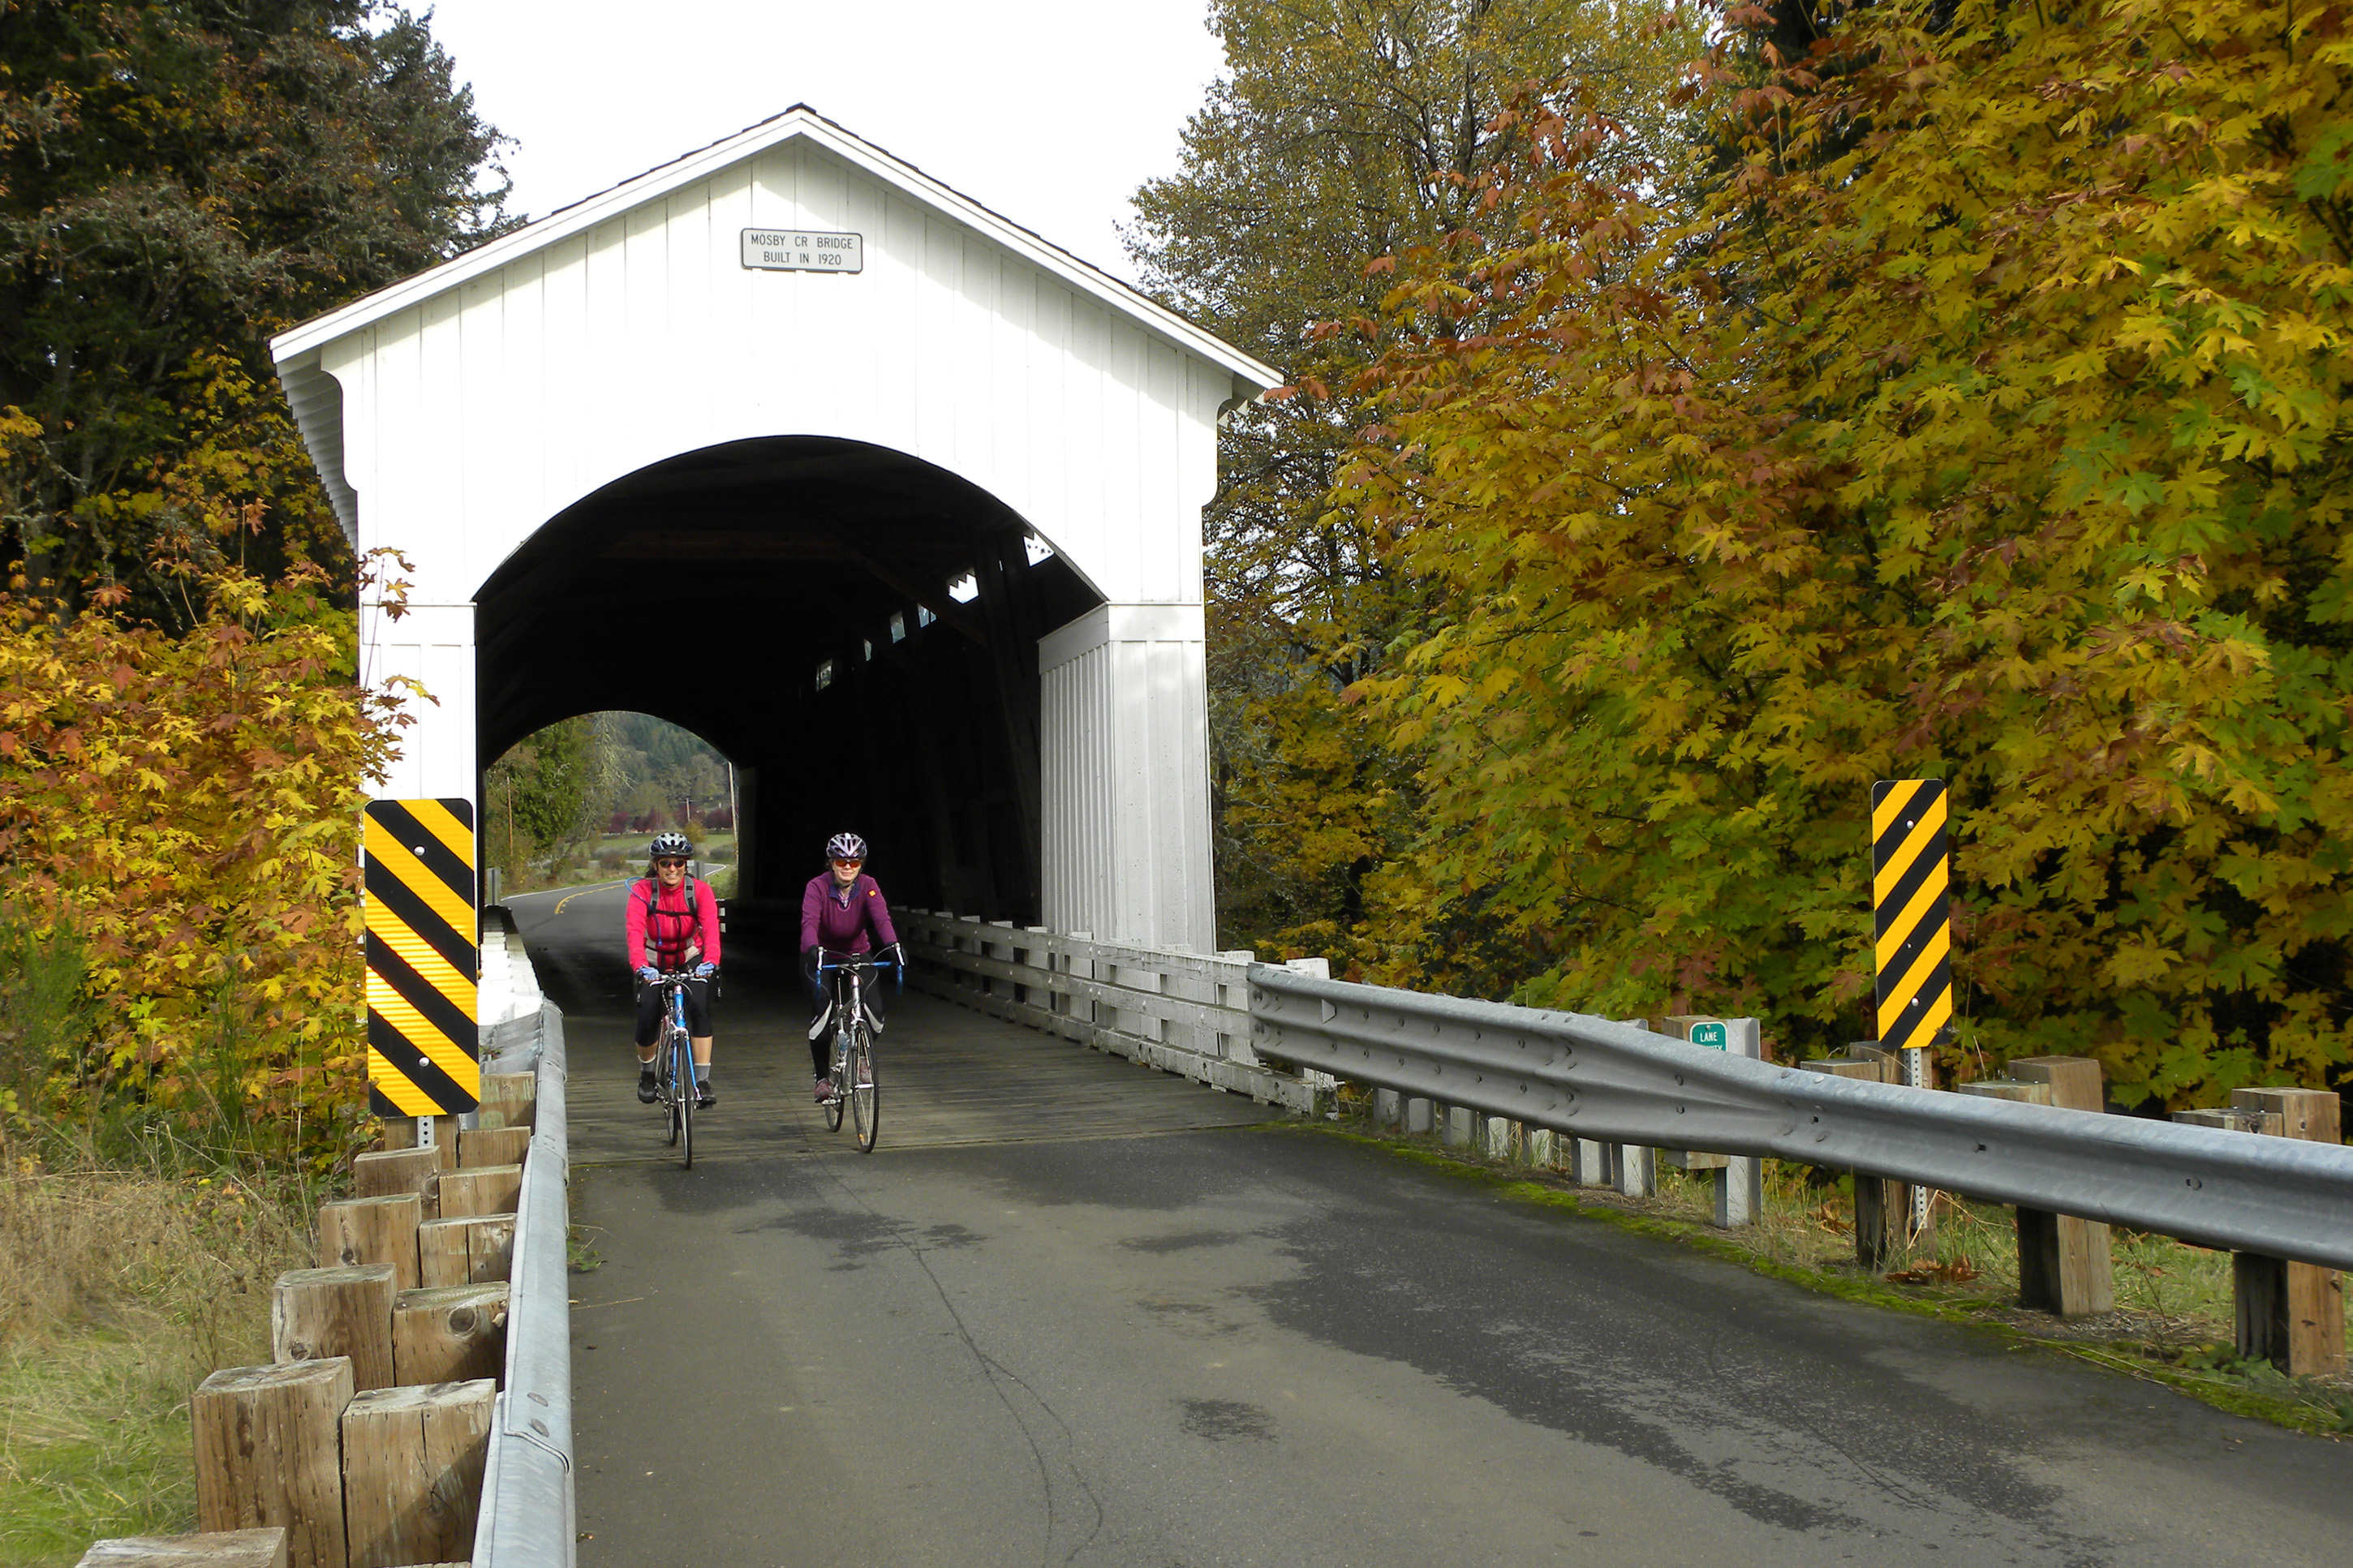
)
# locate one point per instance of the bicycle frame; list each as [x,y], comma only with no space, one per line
[675,1077]
[857,1090]
[855,967]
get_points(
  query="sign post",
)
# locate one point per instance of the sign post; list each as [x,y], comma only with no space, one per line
[423,961]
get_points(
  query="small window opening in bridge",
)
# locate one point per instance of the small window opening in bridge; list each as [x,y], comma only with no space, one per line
[898,626]
[825,675]
[965,589]
[1036,549]
[924,617]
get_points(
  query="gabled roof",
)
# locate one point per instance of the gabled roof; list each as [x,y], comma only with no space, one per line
[800,121]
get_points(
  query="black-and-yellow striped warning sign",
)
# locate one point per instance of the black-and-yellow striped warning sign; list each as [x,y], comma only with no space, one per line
[1910,873]
[422,961]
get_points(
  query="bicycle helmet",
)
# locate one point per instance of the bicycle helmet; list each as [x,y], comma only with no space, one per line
[670,845]
[845,847]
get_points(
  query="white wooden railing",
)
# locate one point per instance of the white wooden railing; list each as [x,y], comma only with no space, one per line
[1184,1013]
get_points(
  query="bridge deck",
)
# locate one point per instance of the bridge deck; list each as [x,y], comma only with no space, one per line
[949,1075]
[1043,1339]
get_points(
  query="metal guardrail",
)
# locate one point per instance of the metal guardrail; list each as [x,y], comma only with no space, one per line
[1592,1077]
[528,1516]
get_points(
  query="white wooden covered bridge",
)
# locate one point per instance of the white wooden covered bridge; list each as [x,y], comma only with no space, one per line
[724,445]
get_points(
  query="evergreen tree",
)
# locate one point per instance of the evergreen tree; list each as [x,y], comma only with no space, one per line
[179,179]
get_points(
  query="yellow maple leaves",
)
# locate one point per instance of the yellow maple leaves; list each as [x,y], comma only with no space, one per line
[1986,420]
[184,809]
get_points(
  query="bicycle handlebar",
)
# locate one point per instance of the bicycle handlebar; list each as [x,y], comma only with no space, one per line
[857,961]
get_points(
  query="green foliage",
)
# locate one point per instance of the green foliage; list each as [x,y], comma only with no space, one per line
[179,179]
[1341,131]
[1987,422]
[558,789]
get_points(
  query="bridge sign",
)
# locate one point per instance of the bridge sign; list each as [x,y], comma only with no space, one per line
[422,957]
[1709,1035]
[797,250]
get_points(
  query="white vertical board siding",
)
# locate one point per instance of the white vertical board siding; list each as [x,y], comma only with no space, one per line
[1125,756]
[474,413]
[510,398]
[432,645]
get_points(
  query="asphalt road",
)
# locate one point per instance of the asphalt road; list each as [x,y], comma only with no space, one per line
[1082,1313]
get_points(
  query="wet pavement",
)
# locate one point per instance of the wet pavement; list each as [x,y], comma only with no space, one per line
[1021,1336]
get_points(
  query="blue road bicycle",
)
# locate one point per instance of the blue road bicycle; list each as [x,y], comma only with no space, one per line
[854,1088]
[674,1067]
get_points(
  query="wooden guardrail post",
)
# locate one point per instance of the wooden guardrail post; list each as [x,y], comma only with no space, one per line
[269,1451]
[509,1099]
[2291,1314]
[2063,1261]
[479,1146]
[1081,965]
[487,1189]
[412,1476]
[1738,1179]
[218,1549]
[400,1133]
[1634,1170]
[372,1230]
[1882,1208]
[387,1172]
[451,1335]
[1238,1047]
[315,1314]
[472,1250]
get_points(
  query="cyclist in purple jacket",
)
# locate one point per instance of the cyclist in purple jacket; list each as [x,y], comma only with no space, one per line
[843,910]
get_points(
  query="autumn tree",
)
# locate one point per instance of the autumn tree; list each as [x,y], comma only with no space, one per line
[1990,423]
[178,180]
[178,821]
[1343,130]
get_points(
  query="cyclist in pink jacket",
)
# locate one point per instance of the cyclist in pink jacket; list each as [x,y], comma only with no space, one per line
[673,928]
[843,910]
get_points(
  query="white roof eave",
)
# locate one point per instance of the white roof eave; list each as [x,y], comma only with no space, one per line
[1249,374]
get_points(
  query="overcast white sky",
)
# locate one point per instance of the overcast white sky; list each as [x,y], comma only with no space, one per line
[1051,112]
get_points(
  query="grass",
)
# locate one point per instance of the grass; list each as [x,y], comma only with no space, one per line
[120,1290]
[2172,1323]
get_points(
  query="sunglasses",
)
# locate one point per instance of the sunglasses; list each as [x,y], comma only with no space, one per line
[672,865]
[851,865]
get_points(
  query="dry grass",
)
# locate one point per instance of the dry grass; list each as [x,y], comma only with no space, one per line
[119,1292]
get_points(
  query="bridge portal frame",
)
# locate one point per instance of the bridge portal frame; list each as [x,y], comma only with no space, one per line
[453,414]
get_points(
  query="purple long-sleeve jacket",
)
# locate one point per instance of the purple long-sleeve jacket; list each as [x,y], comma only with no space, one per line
[845,920]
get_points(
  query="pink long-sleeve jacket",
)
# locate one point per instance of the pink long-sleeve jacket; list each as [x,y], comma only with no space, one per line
[671,939]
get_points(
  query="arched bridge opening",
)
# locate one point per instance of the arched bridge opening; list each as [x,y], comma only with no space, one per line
[857,628]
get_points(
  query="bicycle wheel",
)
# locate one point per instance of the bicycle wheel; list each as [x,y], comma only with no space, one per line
[686,1094]
[865,1095]
[834,1107]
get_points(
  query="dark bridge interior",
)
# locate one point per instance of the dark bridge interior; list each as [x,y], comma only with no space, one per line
[787,599]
